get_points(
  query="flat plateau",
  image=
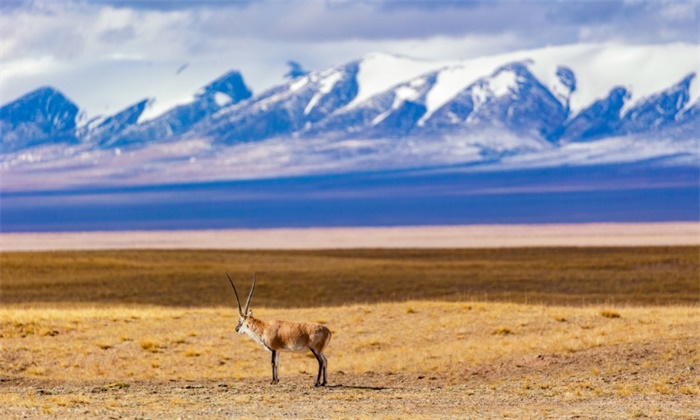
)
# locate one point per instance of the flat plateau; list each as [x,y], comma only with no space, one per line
[466,236]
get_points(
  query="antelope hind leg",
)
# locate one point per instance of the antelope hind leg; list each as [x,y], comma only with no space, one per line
[275,367]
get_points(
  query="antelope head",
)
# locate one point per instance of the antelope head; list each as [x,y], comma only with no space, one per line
[244,315]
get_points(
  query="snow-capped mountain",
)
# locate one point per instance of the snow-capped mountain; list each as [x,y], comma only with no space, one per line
[383,112]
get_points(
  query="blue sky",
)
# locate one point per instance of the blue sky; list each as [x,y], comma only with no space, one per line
[122,50]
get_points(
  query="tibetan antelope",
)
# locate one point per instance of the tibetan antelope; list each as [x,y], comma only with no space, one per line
[277,336]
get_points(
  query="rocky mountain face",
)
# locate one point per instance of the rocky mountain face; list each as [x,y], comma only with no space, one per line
[42,116]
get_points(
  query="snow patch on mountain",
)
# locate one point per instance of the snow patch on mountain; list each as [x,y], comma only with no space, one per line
[378,72]
[453,79]
[158,107]
[502,83]
[326,86]
[222,99]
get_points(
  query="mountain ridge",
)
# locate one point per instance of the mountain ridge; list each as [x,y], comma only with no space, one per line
[384,111]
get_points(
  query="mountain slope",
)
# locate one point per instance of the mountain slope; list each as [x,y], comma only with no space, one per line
[285,109]
[104,130]
[511,97]
[660,109]
[227,90]
[44,115]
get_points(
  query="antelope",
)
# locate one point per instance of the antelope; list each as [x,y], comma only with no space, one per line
[278,336]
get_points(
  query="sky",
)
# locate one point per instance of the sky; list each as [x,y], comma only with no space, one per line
[108,54]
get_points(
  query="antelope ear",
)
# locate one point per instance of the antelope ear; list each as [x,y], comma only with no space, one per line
[250,312]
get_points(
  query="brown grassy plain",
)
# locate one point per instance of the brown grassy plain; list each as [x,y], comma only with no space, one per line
[187,278]
[524,333]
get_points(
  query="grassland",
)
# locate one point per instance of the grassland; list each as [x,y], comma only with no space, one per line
[636,275]
[524,333]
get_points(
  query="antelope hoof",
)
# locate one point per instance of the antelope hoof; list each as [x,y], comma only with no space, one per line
[274,382]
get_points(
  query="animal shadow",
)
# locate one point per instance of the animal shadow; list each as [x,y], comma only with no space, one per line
[362,387]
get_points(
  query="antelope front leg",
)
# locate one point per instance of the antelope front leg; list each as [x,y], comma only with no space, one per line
[275,367]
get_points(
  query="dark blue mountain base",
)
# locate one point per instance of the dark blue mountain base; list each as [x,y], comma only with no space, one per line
[562,195]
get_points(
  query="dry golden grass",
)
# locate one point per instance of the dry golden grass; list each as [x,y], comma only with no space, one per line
[644,275]
[525,333]
[92,356]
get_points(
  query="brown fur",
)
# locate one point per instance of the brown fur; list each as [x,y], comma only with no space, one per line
[279,335]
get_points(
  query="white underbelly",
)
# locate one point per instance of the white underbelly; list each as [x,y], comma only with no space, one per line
[295,347]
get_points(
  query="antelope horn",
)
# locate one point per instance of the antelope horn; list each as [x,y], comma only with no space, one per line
[247,303]
[238,301]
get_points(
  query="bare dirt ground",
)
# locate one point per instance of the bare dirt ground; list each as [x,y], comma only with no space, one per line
[543,386]
[525,391]
[476,236]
